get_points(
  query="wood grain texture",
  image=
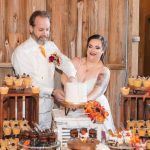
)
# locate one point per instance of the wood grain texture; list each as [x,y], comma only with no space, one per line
[2,33]
[106,17]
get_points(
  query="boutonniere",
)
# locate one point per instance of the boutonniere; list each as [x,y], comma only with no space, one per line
[54,58]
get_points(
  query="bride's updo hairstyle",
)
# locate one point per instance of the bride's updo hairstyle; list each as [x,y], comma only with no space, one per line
[104,43]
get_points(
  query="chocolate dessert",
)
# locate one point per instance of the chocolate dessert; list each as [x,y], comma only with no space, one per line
[74,133]
[83,135]
[25,135]
[34,138]
[33,135]
[83,130]
[43,138]
[92,133]
[52,137]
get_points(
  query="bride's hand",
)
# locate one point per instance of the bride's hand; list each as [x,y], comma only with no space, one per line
[72,79]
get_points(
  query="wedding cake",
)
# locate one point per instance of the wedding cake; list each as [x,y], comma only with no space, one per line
[76,92]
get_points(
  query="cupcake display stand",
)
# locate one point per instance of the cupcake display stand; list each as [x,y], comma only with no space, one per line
[126,100]
[19,104]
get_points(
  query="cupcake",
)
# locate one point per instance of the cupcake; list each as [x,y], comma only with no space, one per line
[5,122]
[132,124]
[125,90]
[12,140]
[22,122]
[18,81]
[24,126]
[2,148]
[74,133]
[7,130]
[130,81]
[9,80]
[13,123]
[146,83]
[92,133]
[140,123]
[27,81]
[35,89]
[17,140]
[148,144]
[133,130]
[142,131]
[16,129]
[12,147]
[4,142]
[4,90]
[137,83]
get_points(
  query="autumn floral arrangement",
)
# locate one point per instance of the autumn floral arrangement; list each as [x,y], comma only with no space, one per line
[54,58]
[136,142]
[95,111]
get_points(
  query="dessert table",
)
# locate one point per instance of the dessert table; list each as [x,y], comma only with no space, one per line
[13,102]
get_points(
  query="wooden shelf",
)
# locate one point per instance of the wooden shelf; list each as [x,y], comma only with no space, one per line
[116,66]
[5,65]
[110,66]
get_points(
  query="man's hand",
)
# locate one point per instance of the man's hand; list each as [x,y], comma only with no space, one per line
[58,94]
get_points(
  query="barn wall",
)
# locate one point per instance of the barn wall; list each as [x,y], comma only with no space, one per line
[72,22]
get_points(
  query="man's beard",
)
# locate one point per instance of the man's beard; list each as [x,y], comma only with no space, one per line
[40,40]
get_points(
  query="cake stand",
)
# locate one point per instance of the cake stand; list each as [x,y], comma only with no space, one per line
[49,147]
[70,106]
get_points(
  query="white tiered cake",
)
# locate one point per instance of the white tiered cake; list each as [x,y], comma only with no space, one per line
[76,92]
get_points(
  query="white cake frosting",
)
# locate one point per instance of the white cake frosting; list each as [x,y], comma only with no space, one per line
[76,92]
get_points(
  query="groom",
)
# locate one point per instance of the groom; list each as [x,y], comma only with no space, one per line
[32,57]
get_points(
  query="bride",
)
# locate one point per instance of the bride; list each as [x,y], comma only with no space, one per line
[92,71]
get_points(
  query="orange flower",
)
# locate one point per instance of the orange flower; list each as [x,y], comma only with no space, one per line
[95,111]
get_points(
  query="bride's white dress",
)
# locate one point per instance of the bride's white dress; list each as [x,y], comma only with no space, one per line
[108,124]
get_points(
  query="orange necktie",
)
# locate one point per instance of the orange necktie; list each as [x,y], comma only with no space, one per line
[43,51]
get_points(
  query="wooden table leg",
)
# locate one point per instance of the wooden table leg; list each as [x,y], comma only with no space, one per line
[128,108]
[37,108]
[122,110]
[1,115]
[136,109]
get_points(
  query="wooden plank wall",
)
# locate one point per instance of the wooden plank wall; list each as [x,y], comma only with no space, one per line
[72,22]
[144,14]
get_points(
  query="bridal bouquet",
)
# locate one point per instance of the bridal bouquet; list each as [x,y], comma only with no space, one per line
[54,58]
[95,111]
